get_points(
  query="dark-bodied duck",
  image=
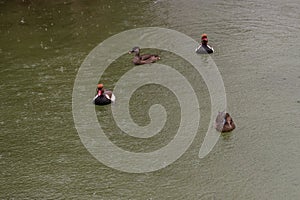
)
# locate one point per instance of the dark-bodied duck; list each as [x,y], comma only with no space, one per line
[143,59]
[103,96]
[204,48]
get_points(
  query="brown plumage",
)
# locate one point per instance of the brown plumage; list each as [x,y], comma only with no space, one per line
[224,122]
[143,59]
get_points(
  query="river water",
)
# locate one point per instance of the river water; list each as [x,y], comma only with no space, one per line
[42,46]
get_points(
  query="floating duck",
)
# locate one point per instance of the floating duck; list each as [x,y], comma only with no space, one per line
[224,122]
[103,96]
[204,48]
[143,59]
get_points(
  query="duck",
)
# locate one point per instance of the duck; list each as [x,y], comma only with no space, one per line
[103,96]
[142,59]
[204,48]
[224,122]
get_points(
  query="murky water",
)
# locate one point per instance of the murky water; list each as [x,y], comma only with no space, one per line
[42,46]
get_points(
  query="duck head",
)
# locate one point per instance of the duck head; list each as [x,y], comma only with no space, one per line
[135,50]
[204,39]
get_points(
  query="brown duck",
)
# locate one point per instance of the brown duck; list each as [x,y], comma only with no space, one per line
[224,122]
[142,59]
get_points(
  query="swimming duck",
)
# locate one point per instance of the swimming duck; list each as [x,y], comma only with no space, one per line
[224,122]
[204,48]
[143,59]
[103,96]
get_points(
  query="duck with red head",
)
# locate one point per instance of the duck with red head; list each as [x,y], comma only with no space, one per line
[142,59]
[103,96]
[204,48]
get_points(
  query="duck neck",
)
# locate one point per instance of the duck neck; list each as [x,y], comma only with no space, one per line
[137,54]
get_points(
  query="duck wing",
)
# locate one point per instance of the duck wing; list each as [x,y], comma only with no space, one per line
[147,56]
[145,59]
